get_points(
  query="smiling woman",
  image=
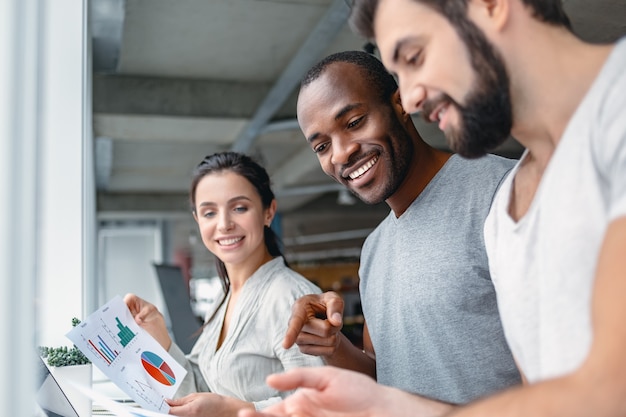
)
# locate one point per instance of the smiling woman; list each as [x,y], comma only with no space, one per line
[241,340]
[233,204]
[231,219]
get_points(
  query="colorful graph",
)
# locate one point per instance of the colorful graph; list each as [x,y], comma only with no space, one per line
[157,368]
[103,349]
[125,334]
[107,342]
[128,355]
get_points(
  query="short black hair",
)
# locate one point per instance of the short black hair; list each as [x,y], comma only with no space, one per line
[376,74]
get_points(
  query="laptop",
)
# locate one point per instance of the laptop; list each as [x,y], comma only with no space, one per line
[51,399]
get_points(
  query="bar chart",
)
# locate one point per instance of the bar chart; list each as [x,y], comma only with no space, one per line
[106,341]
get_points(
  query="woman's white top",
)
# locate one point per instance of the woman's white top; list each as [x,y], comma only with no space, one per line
[252,348]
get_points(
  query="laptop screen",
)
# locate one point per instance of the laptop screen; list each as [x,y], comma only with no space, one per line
[50,397]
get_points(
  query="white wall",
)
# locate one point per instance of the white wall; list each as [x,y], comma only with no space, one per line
[19,72]
[125,257]
[64,180]
[45,175]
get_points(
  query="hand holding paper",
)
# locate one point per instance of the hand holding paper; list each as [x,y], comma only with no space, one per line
[128,355]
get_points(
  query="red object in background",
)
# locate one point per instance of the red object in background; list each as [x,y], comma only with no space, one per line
[182,258]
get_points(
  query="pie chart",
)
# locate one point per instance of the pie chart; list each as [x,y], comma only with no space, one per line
[157,368]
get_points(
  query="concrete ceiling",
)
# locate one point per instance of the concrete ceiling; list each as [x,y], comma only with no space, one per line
[176,80]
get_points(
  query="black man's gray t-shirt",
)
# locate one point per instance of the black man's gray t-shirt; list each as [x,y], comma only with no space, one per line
[426,293]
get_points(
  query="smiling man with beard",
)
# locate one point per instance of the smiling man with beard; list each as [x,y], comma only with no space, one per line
[431,321]
[556,233]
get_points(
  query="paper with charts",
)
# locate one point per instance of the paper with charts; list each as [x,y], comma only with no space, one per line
[129,355]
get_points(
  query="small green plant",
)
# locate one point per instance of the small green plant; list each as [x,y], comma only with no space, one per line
[64,356]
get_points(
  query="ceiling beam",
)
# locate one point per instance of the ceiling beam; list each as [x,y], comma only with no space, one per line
[295,168]
[124,94]
[308,190]
[159,128]
[280,125]
[323,255]
[326,237]
[316,43]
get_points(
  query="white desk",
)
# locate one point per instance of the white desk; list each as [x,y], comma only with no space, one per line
[105,386]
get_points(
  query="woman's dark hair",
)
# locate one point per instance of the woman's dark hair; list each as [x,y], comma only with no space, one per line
[246,167]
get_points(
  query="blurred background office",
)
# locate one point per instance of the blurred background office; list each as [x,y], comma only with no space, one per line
[105,108]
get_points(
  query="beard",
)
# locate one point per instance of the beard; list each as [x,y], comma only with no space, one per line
[397,159]
[487,117]
[485,124]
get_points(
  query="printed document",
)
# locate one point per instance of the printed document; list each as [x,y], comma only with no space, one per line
[128,355]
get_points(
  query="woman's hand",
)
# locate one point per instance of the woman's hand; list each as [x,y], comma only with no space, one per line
[207,404]
[148,317]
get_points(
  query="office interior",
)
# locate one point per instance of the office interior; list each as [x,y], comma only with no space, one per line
[105,108]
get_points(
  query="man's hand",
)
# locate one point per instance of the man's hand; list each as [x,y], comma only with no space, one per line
[315,323]
[332,392]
